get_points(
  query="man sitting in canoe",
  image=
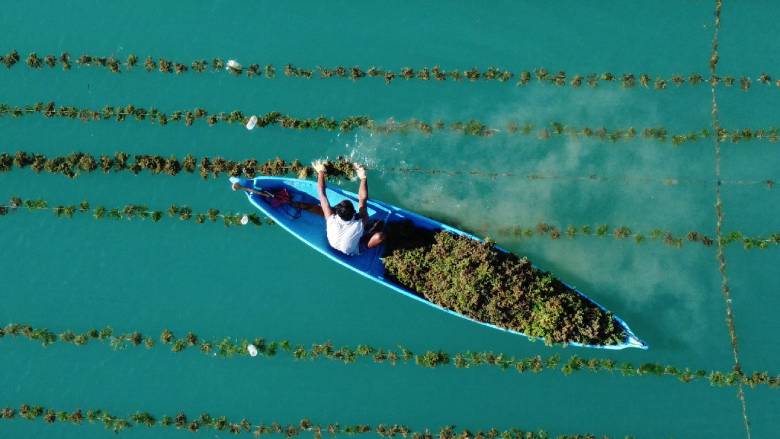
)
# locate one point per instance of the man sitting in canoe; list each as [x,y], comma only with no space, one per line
[347,231]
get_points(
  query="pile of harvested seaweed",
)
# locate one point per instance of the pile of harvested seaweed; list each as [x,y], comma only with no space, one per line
[479,281]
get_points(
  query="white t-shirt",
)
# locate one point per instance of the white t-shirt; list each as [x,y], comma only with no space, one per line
[344,236]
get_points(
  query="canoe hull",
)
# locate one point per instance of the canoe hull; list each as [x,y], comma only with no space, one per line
[310,229]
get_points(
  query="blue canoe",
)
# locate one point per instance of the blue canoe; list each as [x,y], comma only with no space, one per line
[310,229]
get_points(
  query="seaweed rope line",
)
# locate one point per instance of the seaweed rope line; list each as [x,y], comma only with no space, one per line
[502,231]
[124,215]
[720,256]
[593,177]
[551,230]
[473,127]
[569,231]
[230,347]
[7,162]
[223,423]
[355,72]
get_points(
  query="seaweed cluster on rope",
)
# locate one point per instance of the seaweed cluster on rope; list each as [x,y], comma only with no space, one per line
[73,164]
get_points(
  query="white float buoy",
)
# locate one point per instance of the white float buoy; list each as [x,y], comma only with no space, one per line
[252,350]
[250,125]
[233,64]
[245,221]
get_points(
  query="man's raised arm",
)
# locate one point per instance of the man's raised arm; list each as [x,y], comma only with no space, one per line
[362,193]
[319,167]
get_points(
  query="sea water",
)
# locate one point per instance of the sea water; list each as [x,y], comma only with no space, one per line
[244,282]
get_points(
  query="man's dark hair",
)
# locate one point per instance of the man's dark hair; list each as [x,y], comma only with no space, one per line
[345,210]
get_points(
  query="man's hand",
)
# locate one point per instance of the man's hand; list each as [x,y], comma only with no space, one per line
[319,166]
[361,171]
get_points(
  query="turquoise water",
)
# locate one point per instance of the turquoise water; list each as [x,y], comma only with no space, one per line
[245,282]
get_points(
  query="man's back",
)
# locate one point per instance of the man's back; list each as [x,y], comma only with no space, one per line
[344,236]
